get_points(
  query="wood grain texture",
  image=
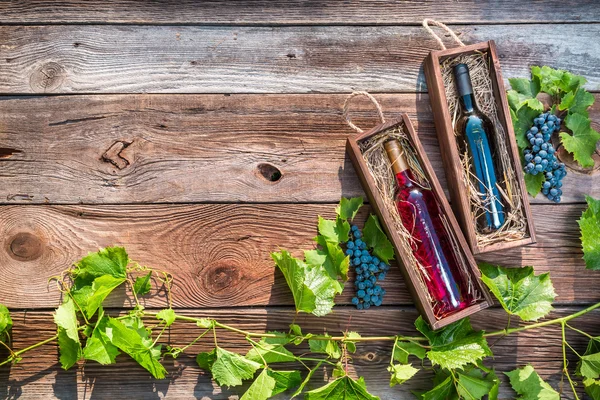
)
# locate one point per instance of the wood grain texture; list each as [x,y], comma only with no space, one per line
[203,148]
[295,12]
[219,254]
[39,375]
[194,59]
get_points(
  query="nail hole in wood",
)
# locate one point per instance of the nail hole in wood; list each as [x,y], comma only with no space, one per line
[269,172]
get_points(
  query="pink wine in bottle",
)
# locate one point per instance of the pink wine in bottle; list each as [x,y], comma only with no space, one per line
[422,217]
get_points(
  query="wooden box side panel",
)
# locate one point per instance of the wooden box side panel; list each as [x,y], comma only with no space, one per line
[411,276]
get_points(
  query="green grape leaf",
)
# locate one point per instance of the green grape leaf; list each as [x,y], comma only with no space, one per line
[142,284]
[306,380]
[589,226]
[329,347]
[312,288]
[207,359]
[66,318]
[5,323]
[70,350]
[581,101]
[516,100]
[404,349]
[167,315]
[592,388]
[331,257]
[205,323]
[348,208]
[376,239]
[528,384]
[109,261]
[472,385]
[284,380]
[522,121]
[229,369]
[590,366]
[131,337]
[519,290]
[351,345]
[296,329]
[556,81]
[582,143]
[534,183]
[101,288]
[529,88]
[444,390]
[454,346]
[98,346]
[344,388]
[334,231]
[401,373]
[262,387]
[270,352]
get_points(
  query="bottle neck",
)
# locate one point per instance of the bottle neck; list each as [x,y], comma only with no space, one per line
[405,179]
[468,102]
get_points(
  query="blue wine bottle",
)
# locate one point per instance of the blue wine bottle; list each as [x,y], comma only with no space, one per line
[476,138]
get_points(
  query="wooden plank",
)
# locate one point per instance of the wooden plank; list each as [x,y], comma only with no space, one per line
[219,253]
[295,12]
[208,148]
[39,375]
[225,59]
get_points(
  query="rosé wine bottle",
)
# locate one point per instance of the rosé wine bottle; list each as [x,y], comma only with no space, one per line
[431,245]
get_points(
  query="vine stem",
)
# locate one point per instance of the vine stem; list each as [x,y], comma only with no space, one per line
[565,363]
[26,349]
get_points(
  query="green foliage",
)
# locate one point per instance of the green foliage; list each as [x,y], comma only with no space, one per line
[312,287]
[473,385]
[348,208]
[262,387]
[68,334]
[227,368]
[329,347]
[344,388]
[582,143]
[568,96]
[454,346]
[111,261]
[98,346]
[270,351]
[70,350]
[334,231]
[402,350]
[142,284]
[519,290]
[376,239]
[167,316]
[5,323]
[401,373]
[589,226]
[592,388]
[351,345]
[131,337]
[589,363]
[528,384]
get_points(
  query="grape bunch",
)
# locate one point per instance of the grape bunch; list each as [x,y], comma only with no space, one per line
[541,156]
[369,269]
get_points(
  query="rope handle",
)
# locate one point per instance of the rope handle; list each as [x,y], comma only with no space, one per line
[347,104]
[426,23]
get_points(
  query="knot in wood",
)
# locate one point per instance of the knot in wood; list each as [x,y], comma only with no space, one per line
[269,172]
[113,154]
[47,78]
[25,246]
[222,278]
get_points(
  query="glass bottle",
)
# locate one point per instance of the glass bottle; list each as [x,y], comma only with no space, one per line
[476,138]
[431,245]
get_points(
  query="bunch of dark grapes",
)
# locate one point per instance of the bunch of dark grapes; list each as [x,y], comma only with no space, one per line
[369,269]
[541,157]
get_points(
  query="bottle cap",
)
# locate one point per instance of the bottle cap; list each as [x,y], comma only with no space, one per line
[395,153]
[463,80]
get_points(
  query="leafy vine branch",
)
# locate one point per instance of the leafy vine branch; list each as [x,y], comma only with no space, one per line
[455,354]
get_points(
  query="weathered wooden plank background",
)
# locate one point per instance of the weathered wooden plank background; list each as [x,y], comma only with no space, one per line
[163,126]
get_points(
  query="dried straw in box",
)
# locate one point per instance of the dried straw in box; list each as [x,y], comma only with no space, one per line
[515,226]
[380,168]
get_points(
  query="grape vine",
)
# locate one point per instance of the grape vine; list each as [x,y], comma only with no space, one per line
[455,354]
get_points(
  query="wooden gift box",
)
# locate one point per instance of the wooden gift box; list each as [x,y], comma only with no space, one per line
[411,276]
[450,155]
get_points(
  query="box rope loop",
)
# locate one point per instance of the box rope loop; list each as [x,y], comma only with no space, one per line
[426,23]
[347,104]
